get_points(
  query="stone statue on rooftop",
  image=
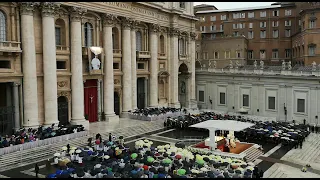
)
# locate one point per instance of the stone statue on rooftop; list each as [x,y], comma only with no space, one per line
[209,64]
[214,64]
[255,64]
[231,65]
[237,64]
[289,66]
[261,64]
[283,65]
[314,66]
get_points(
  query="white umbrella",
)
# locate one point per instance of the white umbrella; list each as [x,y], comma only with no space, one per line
[291,129]
[266,130]
[64,148]
[295,132]
[288,135]
[73,148]
[271,135]
[106,157]
[56,154]
[78,151]
[71,151]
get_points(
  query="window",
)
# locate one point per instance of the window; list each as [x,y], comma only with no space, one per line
[263,34]
[3,27]
[288,33]
[236,33]
[235,26]
[197,55]
[288,53]
[301,105]
[138,41]
[182,5]
[262,54]
[312,50]
[275,23]
[236,15]
[276,13]
[222,98]
[287,23]
[227,54]
[213,36]
[223,17]
[205,55]
[216,55]
[299,22]
[275,33]
[88,34]
[271,103]
[213,28]
[221,27]
[241,25]
[287,12]
[213,18]
[245,100]
[238,54]
[250,25]
[115,65]
[140,65]
[250,54]
[202,28]
[263,14]
[250,34]
[263,24]
[242,15]
[201,96]
[162,44]
[312,24]
[250,14]
[61,65]
[182,47]
[275,53]
[5,64]
[58,36]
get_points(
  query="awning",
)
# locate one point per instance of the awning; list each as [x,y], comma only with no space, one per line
[227,125]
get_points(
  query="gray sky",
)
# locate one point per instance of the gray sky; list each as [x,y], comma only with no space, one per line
[232,5]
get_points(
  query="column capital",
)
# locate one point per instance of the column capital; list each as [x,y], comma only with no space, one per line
[49,8]
[193,36]
[174,31]
[126,22]
[135,24]
[76,13]
[15,84]
[27,8]
[110,20]
[154,28]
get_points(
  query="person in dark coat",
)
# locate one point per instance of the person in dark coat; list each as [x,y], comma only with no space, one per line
[68,148]
[110,137]
[261,173]
[36,169]
[300,144]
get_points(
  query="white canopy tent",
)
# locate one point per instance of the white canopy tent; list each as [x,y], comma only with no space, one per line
[226,125]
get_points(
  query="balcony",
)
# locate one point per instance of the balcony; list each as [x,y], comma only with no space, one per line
[117,53]
[62,49]
[182,56]
[10,47]
[162,56]
[143,54]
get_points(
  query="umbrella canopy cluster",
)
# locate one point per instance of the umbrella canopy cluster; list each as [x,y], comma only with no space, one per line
[29,135]
[154,111]
[148,161]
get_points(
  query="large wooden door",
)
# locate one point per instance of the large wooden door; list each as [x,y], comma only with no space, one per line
[116,103]
[63,111]
[91,100]
[141,93]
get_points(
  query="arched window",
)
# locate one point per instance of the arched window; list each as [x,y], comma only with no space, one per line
[115,38]
[162,47]
[60,32]
[3,27]
[88,34]
[181,46]
[139,41]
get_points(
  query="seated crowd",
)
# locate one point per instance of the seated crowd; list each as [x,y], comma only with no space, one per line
[155,111]
[29,135]
[113,159]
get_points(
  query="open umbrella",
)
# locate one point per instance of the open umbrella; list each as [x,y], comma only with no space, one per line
[150,159]
[56,154]
[167,161]
[181,172]
[134,155]
[64,148]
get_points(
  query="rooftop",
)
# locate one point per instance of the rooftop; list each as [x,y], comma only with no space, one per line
[239,9]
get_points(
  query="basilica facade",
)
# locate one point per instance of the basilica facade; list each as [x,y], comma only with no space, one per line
[89,61]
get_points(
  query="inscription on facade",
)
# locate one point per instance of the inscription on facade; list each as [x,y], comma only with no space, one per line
[138,10]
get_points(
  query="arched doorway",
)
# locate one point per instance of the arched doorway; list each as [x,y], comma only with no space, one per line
[183,84]
[141,93]
[116,103]
[63,110]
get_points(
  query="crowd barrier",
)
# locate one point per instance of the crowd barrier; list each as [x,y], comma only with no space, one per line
[155,117]
[44,142]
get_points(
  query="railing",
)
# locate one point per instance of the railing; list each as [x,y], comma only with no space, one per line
[62,48]
[10,46]
[182,56]
[143,54]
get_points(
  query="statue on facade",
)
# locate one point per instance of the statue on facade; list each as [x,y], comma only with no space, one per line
[289,66]
[237,64]
[255,64]
[214,64]
[209,64]
[314,66]
[231,65]
[261,64]
[183,87]
[283,65]
[95,62]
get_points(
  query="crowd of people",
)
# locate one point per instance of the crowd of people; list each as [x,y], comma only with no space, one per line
[29,135]
[113,159]
[155,111]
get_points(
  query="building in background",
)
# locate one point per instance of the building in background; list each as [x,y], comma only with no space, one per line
[49,73]
[279,32]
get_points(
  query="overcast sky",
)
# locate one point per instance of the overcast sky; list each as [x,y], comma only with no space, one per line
[232,5]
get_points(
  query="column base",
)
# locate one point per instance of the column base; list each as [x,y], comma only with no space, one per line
[176,105]
[83,122]
[56,123]
[28,124]
[124,115]
[112,117]
[193,104]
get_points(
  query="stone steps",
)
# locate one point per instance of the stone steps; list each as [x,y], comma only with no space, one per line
[252,154]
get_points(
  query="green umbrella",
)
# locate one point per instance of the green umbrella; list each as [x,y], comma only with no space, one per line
[150,159]
[167,161]
[200,161]
[109,169]
[181,172]
[134,155]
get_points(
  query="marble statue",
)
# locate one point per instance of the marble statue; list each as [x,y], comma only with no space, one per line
[209,64]
[237,64]
[255,64]
[214,64]
[289,66]
[283,65]
[231,65]
[183,87]
[261,64]
[314,66]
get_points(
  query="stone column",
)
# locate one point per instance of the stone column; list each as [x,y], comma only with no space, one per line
[174,62]
[16,106]
[49,63]
[192,59]
[77,92]
[30,88]
[108,83]
[126,67]
[153,94]
[134,64]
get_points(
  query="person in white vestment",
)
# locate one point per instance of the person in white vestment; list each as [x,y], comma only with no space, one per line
[95,63]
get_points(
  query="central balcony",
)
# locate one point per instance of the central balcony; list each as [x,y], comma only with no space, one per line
[10,46]
[143,54]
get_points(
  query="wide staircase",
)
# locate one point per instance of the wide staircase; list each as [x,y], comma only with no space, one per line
[253,153]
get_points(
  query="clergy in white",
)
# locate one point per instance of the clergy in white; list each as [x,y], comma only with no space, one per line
[95,64]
